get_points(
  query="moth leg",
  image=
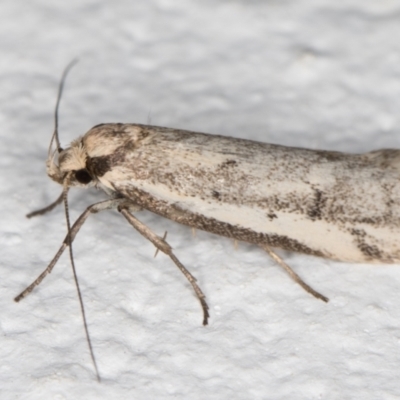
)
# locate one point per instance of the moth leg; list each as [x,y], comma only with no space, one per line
[48,208]
[293,274]
[157,250]
[94,208]
[163,246]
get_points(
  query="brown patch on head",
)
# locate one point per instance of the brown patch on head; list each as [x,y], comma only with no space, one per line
[98,166]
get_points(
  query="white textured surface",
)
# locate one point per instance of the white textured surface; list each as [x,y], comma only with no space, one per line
[304,73]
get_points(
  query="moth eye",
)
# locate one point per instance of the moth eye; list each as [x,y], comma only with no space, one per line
[82,176]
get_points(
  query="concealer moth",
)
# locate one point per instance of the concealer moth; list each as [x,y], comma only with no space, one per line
[329,204]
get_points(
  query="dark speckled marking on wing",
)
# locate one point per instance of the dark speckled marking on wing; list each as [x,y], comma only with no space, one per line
[199,221]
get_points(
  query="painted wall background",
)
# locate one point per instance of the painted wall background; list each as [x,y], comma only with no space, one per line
[318,74]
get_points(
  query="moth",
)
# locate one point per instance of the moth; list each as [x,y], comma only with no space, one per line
[328,204]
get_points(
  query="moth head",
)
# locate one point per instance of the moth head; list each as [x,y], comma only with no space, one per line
[67,167]
[71,163]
